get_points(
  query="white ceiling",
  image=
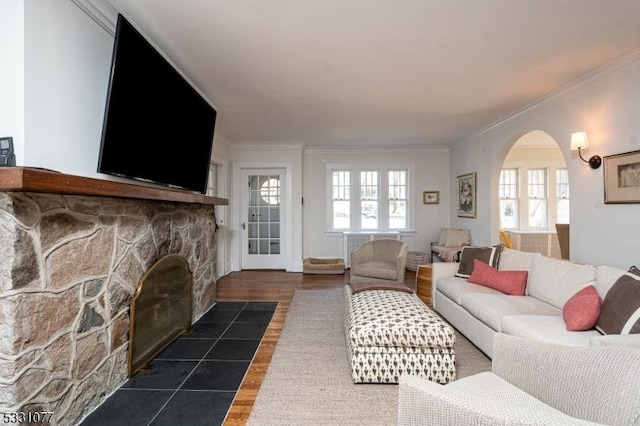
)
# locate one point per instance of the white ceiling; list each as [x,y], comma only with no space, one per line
[336,73]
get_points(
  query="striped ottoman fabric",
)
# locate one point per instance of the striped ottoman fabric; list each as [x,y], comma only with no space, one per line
[392,332]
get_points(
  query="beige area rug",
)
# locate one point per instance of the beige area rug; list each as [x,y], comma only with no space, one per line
[309,380]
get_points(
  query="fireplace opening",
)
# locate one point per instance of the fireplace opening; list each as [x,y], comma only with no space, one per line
[161,310]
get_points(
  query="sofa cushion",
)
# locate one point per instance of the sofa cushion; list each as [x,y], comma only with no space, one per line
[454,288]
[555,281]
[621,306]
[582,310]
[490,308]
[516,260]
[546,328]
[509,282]
[489,255]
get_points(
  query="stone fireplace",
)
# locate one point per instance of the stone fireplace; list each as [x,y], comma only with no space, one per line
[73,250]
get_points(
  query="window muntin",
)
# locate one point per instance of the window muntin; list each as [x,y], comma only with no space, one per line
[537,198]
[369,199]
[562,196]
[397,199]
[508,193]
[341,207]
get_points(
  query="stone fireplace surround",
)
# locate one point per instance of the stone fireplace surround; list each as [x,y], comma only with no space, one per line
[72,252]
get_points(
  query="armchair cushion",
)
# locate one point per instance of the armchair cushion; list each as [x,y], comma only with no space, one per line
[380,259]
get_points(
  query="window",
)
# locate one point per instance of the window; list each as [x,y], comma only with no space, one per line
[341,205]
[562,196]
[397,199]
[380,199]
[369,199]
[508,193]
[537,198]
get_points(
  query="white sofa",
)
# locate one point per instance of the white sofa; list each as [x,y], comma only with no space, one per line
[479,312]
[531,383]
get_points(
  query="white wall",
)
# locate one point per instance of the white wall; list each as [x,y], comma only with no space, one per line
[606,106]
[430,168]
[68,58]
[221,156]
[12,74]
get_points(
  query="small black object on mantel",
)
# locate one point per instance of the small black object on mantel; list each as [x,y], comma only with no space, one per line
[7,156]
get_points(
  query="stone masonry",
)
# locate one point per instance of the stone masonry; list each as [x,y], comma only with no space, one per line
[69,267]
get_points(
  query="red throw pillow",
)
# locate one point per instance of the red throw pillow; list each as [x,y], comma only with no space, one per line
[582,310]
[509,282]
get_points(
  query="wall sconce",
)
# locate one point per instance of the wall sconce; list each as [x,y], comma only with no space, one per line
[579,141]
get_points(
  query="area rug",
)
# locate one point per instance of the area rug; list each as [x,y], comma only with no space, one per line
[309,381]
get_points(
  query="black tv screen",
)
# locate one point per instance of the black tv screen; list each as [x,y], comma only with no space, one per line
[157,127]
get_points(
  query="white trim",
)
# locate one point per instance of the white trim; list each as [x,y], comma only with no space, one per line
[383,189]
[236,216]
[102,12]
[587,79]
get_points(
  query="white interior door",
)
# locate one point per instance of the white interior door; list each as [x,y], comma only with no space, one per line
[263,222]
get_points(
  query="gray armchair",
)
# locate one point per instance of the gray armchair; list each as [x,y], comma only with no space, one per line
[532,383]
[379,259]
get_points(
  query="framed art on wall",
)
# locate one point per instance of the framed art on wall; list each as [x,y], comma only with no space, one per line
[466,195]
[431,197]
[622,178]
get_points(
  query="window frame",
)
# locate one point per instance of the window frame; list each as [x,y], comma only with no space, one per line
[383,195]
[515,199]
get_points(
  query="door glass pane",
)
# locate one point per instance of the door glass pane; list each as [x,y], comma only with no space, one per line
[275,246]
[253,230]
[264,214]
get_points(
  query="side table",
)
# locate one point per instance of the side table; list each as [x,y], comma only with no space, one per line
[423,283]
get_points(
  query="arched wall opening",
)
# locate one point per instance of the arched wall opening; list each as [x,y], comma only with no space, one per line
[533,195]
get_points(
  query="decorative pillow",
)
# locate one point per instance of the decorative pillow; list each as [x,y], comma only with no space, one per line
[620,313]
[489,255]
[509,282]
[582,310]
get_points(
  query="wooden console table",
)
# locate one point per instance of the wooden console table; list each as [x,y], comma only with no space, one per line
[423,283]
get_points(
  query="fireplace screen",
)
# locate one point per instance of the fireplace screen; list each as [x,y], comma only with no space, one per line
[160,311]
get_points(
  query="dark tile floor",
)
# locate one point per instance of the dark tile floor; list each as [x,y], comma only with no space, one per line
[194,380]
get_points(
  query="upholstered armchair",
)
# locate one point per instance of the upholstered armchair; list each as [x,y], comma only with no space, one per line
[379,259]
[450,244]
[532,383]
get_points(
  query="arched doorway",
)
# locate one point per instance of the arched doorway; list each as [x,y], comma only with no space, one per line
[533,193]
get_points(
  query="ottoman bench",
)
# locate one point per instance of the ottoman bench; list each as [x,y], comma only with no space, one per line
[319,265]
[391,332]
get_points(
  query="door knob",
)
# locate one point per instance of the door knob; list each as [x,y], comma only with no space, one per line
[244,226]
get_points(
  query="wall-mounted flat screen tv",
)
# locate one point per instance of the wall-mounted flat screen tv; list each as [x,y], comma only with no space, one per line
[157,127]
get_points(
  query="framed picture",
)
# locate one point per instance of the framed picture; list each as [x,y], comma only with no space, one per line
[466,195]
[622,178]
[431,197]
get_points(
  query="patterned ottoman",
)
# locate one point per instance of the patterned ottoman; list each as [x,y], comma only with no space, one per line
[392,332]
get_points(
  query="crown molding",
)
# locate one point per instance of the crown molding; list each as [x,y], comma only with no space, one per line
[565,90]
[102,12]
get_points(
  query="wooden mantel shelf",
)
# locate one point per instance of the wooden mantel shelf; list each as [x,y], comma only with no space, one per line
[25,179]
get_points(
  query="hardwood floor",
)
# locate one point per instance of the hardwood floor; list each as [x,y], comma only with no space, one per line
[270,286]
